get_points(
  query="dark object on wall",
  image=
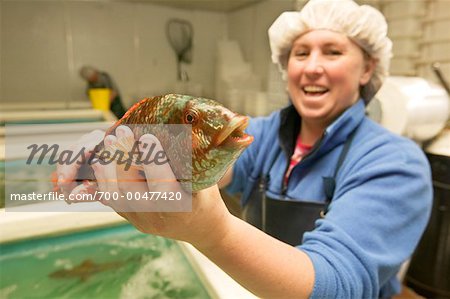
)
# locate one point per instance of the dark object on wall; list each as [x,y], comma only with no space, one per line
[429,271]
[180,34]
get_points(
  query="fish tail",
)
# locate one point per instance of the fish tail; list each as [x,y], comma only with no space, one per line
[85,176]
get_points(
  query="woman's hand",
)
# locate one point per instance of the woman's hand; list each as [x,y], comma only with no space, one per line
[198,223]
[264,265]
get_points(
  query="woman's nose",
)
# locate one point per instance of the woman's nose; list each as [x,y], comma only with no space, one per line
[314,65]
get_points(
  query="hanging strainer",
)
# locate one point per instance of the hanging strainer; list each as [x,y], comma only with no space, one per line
[179,33]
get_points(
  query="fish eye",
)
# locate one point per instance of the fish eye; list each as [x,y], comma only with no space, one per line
[190,117]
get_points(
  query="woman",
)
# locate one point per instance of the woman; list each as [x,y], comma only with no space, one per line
[341,201]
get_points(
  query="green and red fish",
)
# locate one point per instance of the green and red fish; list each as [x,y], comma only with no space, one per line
[217,135]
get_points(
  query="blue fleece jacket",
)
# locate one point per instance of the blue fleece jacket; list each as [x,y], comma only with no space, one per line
[380,207]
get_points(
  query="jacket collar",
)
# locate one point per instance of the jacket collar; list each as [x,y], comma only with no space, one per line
[335,134]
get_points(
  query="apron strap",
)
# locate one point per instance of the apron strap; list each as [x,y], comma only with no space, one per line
[329,183]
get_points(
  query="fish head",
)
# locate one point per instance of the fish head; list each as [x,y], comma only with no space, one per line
[218,138]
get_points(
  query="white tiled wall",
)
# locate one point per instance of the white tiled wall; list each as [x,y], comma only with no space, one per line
[420,36]
[33,53]
[249,27]
[44,43]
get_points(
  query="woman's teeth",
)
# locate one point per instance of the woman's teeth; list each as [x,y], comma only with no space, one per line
[312,89]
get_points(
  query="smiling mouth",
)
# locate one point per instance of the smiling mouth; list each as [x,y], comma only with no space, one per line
[314,90]
[233,134]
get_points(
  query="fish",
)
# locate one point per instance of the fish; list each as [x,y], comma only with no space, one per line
[86,269]
[217,134]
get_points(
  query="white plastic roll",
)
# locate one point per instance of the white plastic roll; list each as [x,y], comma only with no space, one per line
[413,107]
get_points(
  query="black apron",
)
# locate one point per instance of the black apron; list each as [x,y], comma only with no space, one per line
[288,219]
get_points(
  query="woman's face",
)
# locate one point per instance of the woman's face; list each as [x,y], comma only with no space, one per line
[325,70]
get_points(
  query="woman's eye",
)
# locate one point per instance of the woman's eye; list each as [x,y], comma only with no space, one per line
[301,54]
[334,52]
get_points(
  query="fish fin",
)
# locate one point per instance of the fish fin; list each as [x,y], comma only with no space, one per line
[125,118]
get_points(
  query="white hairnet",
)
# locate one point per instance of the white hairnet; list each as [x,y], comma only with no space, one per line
[365,25]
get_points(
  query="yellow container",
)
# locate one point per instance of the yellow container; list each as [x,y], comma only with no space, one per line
[100,98]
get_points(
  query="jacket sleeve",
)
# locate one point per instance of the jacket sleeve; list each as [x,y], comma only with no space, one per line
[381,206]
[244,165]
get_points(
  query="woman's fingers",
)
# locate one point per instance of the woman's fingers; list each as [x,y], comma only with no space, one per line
[150,186]
[105,172]
[108,180]
[133,180]
[158,173]
[161,181]
[126,185]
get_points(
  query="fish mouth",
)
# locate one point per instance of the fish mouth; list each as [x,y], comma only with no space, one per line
[233,134]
